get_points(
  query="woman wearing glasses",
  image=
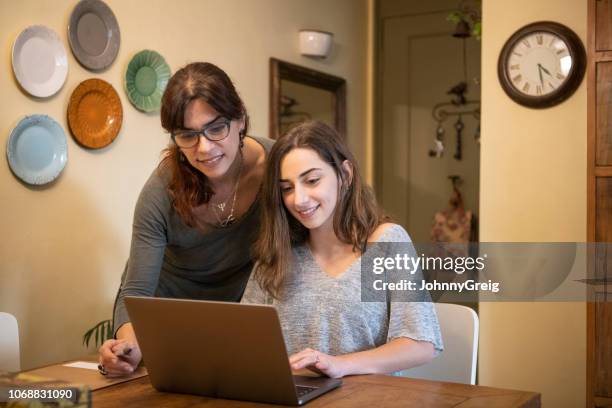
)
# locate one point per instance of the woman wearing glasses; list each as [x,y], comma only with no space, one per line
[197,215]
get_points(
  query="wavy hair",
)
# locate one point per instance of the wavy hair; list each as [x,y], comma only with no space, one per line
[188,187]
[356,215]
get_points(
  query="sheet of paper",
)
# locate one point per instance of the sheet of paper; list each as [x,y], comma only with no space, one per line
[83,364]
[88,373]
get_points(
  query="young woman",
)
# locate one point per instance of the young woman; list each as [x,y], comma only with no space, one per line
[197,215]
[317,219]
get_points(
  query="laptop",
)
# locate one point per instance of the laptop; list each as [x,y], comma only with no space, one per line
[219,350]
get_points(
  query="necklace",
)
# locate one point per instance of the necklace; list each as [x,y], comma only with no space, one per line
[221,205]
[224,222]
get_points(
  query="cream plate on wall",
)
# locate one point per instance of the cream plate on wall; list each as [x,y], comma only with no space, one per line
[39,61]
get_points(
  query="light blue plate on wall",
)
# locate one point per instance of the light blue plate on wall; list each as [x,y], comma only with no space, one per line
[37,150]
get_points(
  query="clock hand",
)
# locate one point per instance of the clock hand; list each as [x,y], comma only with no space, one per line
[540,73]
[544,69]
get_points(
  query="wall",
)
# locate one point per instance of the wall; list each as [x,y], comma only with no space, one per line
[533,189]
[65,245]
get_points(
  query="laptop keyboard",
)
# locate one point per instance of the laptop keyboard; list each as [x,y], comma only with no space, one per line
[303,390]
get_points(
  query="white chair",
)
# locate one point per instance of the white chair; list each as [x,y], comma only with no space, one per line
[9,343]
[457,363]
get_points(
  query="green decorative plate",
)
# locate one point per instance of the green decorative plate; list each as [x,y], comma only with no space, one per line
[145,80]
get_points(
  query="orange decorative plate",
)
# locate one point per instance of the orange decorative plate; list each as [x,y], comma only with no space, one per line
[95,113]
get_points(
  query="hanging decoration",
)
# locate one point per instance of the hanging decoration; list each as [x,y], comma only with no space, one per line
[458,106]
[468,19]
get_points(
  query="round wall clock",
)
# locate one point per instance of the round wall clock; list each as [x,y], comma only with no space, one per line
[542,64]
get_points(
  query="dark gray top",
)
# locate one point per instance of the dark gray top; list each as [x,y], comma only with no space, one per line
[170,259]
[327,313]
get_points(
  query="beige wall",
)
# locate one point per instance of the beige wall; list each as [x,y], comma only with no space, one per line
[64,246]
[533,188]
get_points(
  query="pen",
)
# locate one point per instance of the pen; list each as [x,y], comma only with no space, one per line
[125,353]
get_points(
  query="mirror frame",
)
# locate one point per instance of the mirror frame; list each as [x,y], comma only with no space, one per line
[280,70]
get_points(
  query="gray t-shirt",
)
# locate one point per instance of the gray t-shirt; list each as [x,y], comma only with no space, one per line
[327,314]
[170,259]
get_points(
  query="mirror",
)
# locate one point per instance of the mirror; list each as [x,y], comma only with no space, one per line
[298,93]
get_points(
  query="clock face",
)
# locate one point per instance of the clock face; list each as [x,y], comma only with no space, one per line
[539,63]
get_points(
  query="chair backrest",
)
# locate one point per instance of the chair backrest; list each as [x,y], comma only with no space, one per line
[457,363]
[9,343]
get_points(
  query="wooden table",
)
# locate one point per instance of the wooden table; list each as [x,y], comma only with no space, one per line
[357,391]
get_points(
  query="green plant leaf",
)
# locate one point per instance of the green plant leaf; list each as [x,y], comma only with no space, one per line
[87,336]
[455,17]
[477,29]
[102,331]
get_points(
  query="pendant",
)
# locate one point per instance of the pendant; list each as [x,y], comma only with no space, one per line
[221,207]
[228,221]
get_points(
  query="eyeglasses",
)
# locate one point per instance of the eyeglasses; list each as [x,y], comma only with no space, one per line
[218,130]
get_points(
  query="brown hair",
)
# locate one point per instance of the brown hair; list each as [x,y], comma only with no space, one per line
[188,187]
[355,218]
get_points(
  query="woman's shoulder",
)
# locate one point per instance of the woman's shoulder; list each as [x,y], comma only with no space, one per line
[255,155]
[265,142]
[389,232]
[159,179]
[155,189]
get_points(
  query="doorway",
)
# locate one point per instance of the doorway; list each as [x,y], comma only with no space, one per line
[421,66]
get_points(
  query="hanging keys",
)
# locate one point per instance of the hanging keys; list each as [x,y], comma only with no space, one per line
[438,149]
[459,129]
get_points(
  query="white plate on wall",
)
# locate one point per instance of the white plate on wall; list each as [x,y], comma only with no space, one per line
[39,61]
